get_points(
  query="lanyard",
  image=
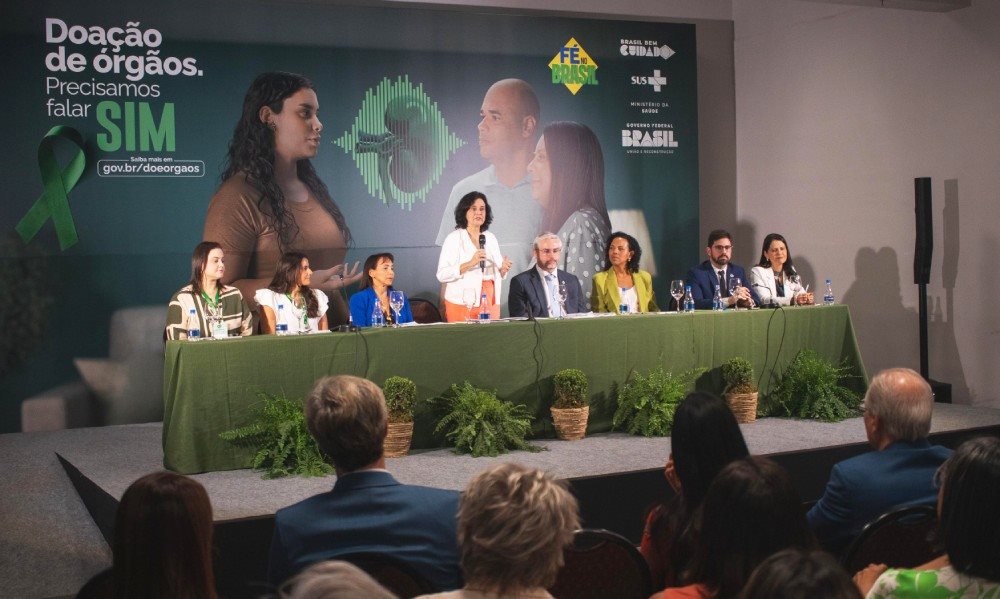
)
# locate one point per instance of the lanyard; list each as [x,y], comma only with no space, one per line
[208,300]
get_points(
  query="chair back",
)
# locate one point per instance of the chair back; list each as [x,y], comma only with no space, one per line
[899,538]
[391,572]
[424,311]
[601,563]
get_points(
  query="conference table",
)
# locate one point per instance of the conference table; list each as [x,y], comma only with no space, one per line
[211,386]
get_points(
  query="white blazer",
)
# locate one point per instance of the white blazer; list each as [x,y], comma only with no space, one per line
[457,248]
[762,279]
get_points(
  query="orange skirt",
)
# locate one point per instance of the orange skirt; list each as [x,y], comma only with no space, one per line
[459,313]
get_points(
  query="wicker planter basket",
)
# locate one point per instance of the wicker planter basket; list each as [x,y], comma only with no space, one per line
[571,423]
[397,440]
[743,406]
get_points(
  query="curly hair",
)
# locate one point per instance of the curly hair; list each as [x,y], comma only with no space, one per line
[251,154]
[513,524]
[461,221]
[633,245]
[287,275]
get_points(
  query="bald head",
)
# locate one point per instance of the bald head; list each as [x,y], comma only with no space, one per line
[522,96]
[903,402]
[508,119]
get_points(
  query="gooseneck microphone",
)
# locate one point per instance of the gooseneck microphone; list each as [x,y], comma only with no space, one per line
[482,246]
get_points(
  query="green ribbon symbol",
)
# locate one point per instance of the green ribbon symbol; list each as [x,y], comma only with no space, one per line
[54,201]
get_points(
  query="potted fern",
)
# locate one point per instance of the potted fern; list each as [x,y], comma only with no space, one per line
[646,404]
[400,398]
[280,440]
[810,388]
[741,390]
[570,410]
[479,423]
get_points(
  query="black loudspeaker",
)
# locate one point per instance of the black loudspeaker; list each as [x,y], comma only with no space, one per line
[924,246]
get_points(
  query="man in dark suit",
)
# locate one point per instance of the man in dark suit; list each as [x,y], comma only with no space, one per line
[718,270]
[367,510]
[534,292]
[897,418]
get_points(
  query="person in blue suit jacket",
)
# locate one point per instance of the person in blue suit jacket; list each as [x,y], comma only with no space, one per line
[367,510]
[376,283]
[533,293]
[897,418]
[704,277]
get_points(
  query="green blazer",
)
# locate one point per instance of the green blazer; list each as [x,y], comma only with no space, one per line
[604,296]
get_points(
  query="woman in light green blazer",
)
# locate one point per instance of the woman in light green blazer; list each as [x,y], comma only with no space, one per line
[623,283]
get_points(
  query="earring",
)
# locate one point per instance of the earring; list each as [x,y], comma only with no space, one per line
[272,125]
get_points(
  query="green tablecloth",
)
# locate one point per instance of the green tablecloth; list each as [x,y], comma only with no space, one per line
[209,386]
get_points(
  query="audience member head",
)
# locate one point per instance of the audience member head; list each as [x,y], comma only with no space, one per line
[719,248]
[465,207]
[333,579]
[378,267]
[751,511]
[705,438]
[800,574]
[970,520]
[293,273]
[162,543]
[897,407]
[623,250]
[347,417]
[513,524]
[204,253]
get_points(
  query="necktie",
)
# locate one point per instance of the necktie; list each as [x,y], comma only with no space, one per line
[723,288]
[555,309]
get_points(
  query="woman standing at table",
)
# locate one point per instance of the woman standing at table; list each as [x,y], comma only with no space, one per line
[623,283]
[271,200]
[302,308]
[205,294]
[775,278]
[470,264]
[376,285]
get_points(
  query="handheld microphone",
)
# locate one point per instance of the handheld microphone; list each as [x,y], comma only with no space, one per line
[482,245]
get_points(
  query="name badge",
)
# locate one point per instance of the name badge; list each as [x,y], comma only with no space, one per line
[219,330]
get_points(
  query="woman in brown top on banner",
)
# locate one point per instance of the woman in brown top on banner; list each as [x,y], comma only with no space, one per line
[272,201]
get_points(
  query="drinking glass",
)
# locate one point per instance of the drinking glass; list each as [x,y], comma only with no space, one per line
[677,291]
[734,284]
[561,295]
[396,303]
[469,299]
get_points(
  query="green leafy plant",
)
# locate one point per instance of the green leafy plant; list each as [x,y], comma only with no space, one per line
[400,398]
[571,388]
[280,440]
[478,423]
[646,404]
[739,376]
[810,388]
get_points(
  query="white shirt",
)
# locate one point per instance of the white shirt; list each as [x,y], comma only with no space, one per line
[293,315]
[458,247]
[762,279]
[630,298]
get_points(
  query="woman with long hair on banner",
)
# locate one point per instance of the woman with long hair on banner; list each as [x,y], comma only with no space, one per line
[289,295]
[471,265]
[567,179]
[271,200]
[210,300]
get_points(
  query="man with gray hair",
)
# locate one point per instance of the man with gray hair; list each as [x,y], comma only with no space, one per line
[367,510]
[897,417]
[535,292]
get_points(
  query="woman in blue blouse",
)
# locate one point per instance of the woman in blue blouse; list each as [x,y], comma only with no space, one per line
[376,284]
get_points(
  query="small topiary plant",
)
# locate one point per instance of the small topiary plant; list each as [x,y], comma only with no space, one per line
[280,439]
[646,404]
[400,398]
[478,423]
[571,389]
[739,376]
[810,388]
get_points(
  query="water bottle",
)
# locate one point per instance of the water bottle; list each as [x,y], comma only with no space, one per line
[688,299]
[484,310]
[828,296]
[281,325]
[193,327]
[717,300]
[378,317]
[623,306]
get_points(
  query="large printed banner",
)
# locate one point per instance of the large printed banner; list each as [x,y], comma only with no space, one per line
[120,116]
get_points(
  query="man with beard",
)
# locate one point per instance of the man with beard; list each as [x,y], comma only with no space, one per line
[534,292]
